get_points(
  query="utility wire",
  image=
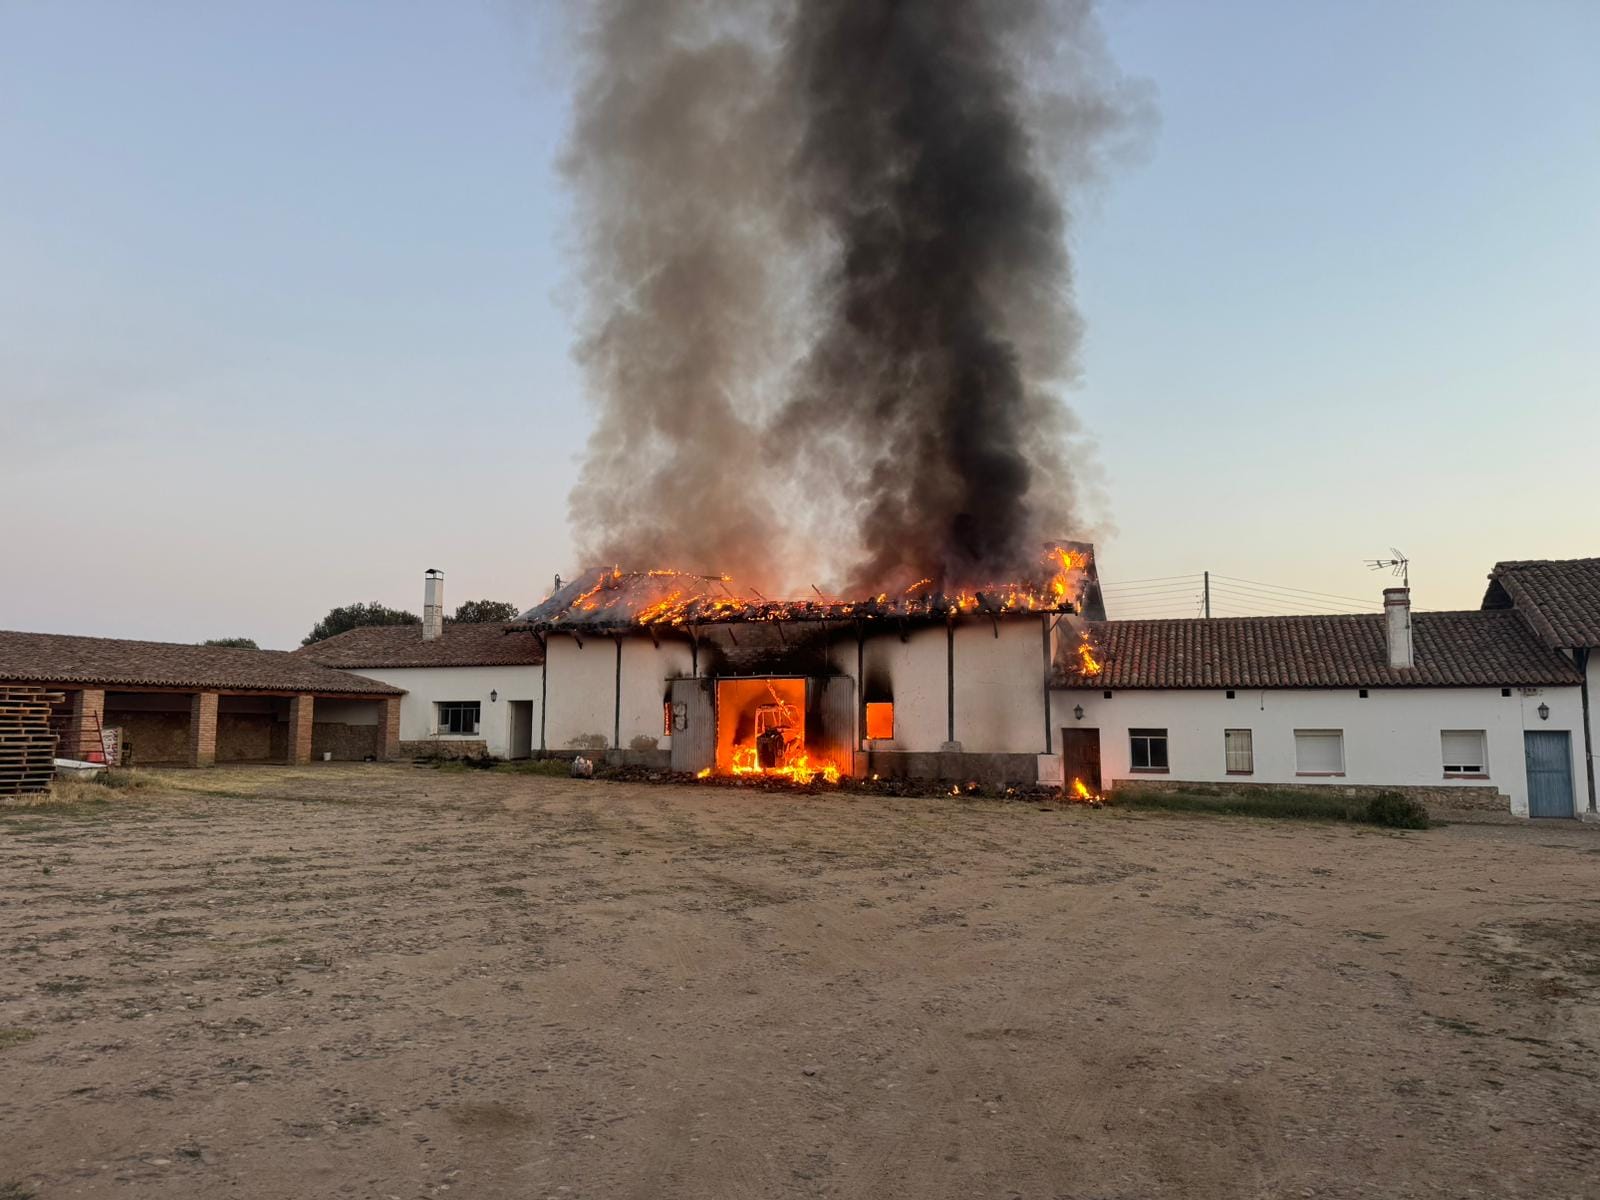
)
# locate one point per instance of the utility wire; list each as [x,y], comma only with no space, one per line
[1299,591]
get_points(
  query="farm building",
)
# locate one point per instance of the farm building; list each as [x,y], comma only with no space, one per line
[469,689]
[1477,710]
[189,705]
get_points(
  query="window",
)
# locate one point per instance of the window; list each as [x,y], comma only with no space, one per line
[880,719]
[458,716]
[1464,752]
[1148,749]
[1319,752]
[1239,750]
[666,718]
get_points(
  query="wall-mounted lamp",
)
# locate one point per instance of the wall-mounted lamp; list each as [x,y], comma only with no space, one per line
[1544,712]
[1078,712]
[493,695]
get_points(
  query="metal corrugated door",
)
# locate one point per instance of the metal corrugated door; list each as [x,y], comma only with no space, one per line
[694,725]
[831,720]
[1549,759]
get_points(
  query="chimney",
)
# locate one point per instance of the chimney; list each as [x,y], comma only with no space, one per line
[1397,625]
[432,604]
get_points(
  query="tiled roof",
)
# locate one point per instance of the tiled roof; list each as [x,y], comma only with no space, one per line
[1452,649]
[1560,597]
[116,662]
[491,644]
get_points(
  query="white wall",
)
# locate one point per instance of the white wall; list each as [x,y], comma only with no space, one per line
[1000,686]
[914,673]
[1391,738]
[426,686]
[583,688]
[645,671]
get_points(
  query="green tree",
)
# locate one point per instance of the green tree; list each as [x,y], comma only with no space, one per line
[357,616]
[234,643]
[484,612]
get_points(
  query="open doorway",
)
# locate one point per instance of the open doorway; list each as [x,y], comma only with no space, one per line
[521,716]
[762,730]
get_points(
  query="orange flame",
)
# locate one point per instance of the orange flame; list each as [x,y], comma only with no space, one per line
[1088,664]
[801,768]
[1081,792]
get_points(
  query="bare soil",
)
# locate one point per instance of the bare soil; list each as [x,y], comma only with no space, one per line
[393,981]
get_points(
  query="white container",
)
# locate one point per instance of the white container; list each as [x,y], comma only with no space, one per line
[327,756]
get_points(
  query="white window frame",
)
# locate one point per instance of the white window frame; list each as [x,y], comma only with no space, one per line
[1334,735]
[1233,754]
[438,718]
[1150,737]
[1463,769]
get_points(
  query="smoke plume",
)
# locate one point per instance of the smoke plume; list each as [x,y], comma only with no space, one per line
[829,295]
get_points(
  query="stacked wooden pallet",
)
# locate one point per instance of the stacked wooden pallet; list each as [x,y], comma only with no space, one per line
[27,744]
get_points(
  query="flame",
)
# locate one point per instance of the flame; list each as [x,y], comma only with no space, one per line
[702,773]
[800,768]
[663,596]
[1088,664]
[1081,792]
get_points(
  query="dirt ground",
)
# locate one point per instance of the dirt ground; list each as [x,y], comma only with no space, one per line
[392,981]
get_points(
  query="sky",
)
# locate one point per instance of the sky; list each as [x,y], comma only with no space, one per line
[287,296]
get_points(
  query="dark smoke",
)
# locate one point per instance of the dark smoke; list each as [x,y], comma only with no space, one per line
[830,285]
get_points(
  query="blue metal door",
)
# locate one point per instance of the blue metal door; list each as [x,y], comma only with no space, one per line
[1549,758]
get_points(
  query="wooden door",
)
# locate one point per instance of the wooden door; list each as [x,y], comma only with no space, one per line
[1080,754]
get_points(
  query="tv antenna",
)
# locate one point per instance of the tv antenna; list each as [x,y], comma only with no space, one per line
[1398,565]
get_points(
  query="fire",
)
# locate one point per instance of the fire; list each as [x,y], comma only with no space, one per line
[664,597]
[1088,664]
[800,767]
[1081,792]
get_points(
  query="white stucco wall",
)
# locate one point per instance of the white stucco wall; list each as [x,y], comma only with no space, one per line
[582,695]
[426,686]
[914,673]
[645,670]
[1390,738]
[1000,686]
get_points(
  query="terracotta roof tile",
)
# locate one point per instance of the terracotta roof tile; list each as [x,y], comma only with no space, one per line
[1452,649]
[118,662]
[490,644]
[1560,597]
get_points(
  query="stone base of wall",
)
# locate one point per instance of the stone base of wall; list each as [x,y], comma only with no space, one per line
[1480,803]
[655,760]
[245,737]
[954,766]
[444,748]
[348,743]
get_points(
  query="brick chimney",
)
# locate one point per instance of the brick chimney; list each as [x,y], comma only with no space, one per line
[1397,626]
[432,604]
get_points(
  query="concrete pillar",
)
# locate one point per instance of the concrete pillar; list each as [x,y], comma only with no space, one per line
[83,725]
[203,729]
[388,745]
[300,718]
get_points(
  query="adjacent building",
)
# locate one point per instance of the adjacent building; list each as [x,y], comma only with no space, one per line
[470,689]
[184,705]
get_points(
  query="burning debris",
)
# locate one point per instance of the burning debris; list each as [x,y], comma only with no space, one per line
[829,309]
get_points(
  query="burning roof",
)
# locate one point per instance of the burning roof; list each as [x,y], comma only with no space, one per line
[614,599]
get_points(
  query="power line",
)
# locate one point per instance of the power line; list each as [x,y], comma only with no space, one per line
[1306,605]
[1301,591]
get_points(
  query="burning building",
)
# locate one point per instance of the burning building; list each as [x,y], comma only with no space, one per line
[687,672]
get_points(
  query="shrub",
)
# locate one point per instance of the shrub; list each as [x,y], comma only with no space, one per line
[1397,811]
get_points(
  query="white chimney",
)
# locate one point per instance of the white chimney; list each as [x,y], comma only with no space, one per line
[432,604]
[1397,625]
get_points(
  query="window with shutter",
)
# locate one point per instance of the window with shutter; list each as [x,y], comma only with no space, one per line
[1463,751]
[1319,751]
[1239,751]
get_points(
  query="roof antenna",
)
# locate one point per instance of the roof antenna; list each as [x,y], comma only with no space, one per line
[1398,565]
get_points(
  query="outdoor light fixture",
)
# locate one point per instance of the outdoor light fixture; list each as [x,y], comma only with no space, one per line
[1544,712]
[1078,712]
[493,695]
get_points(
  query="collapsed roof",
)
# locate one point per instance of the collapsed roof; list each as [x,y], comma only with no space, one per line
[614,600]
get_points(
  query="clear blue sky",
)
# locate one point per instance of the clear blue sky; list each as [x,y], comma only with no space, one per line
[285,297]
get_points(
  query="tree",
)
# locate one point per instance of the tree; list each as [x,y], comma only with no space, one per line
[234,643]
[358,616]
[485,612]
